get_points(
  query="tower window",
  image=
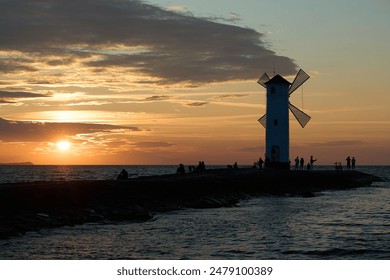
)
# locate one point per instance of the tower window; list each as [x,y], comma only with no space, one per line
[275,122]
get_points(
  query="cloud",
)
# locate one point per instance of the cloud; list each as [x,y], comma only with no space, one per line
[153,144]
[178,8]
[197,104]
[232,17]
[8,97]
[12,65]
[226,96]
[22,131]
[139,38]
[157,98]
[6,102]
[20,94]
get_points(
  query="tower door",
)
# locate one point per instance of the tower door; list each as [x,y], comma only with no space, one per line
[275,154]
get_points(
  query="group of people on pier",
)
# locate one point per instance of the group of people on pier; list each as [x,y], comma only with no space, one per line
[192,168]
[351,163]
[300,163]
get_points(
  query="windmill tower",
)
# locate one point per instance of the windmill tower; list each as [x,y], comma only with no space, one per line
[276,119]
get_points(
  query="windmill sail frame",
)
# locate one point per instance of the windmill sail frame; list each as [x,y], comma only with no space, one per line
[263,120]
[300,78]
[301,116]
[263,79]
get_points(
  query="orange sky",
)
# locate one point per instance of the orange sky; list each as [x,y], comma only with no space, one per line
[144,84]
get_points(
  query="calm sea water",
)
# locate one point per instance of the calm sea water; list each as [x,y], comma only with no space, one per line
[30,173]
[349,224]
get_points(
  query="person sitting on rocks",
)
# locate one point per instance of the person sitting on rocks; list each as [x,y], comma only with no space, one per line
[181,169]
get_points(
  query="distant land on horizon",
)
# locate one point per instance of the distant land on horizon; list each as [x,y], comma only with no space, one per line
[17,163]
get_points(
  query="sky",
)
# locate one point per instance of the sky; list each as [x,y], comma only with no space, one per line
[175,81]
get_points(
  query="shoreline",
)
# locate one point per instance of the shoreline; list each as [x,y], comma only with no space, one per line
[32,206]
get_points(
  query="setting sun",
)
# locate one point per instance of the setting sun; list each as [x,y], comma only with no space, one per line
[63,145]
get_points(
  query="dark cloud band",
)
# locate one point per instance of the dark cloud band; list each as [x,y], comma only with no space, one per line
[132,35]
[15,131]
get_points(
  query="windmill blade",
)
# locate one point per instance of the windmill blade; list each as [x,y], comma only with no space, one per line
[263,79]
[300,78]
[263,120]
[301,117]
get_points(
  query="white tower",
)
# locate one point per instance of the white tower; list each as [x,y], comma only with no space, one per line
[276,119]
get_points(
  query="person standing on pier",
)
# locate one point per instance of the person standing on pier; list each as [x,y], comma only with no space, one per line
[348,159]
[302,163]
[261,161]
[312,162]
[296,163]
[353,163]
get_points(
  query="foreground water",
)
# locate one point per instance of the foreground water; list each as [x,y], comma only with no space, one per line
[350,224]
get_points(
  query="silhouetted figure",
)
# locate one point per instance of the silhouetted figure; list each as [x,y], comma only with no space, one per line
[235,166]
[312,162]
[302,163]
[348,159]
[180,169]
[261,161]
[353,161]
[201,166]
[308,166]
[296,167]
[123,175]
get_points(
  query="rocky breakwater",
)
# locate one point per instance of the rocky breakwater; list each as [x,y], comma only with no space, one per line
[32,206]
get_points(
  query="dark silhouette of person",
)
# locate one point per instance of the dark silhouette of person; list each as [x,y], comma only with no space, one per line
[296,163]
[235,166]
[201,166]
[302,163]
[312,161]
[348,159]
[261,161]
[353,161]
[123,175]
[181,169]
[308,166]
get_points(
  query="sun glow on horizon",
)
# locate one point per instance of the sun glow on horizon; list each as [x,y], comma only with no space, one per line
[63,145]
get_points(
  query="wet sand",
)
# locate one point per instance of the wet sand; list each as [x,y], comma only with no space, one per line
[33,206]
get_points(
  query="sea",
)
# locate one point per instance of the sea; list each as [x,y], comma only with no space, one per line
[349,224]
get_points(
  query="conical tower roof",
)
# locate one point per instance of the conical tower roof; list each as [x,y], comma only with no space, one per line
[277,80]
